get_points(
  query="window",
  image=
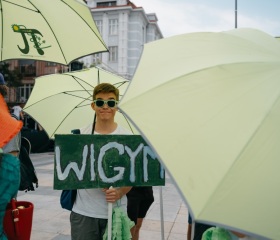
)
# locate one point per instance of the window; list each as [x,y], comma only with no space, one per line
[107,4]
[25,91]
[97,58]
[113,26]
[99,26]
[27,68]
[50,64]
[113,54]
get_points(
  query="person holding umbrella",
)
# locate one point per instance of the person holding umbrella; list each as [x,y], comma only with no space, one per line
[13,146]
[9,164]
[90,211]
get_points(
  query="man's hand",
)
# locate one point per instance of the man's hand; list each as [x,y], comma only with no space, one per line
[114,194]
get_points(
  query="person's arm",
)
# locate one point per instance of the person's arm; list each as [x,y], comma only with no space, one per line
[14,153]
[114,194]
[21,115]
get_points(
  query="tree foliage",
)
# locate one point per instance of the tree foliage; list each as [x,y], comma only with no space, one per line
[12,77]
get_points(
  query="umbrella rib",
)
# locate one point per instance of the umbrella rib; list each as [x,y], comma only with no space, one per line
[78,80]
[88,26]
[67,93]
[128,123]
[64,120]
[51,30]
[21,6]
[117,85]
[58,43]
[55,35]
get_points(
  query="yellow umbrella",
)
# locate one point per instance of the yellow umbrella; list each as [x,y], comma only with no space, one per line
[210,109]
[53,30]
[62,102]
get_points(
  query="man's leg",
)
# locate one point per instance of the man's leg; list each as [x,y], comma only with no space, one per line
[136,229]
[189,234]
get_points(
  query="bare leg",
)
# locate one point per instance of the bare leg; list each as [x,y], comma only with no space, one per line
[136,229]
[189,234]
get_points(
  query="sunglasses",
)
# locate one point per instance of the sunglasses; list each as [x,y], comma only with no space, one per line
[100,103]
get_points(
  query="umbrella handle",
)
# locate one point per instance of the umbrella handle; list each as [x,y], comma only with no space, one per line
[110,213]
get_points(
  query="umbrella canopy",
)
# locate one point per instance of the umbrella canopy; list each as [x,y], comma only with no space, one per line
[216,98]
[61,102]
[54,30]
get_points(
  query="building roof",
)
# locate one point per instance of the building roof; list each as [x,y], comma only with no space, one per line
[128,3]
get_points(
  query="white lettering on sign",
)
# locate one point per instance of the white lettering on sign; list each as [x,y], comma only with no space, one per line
[120,170]
[103,150]
[132,156]
[92,160]
[80,173]
[148,151]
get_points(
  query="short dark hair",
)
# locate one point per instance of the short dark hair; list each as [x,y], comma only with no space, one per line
[105,88]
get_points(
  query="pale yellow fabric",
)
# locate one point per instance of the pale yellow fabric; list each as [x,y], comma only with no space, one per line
[210,108]
[67,30]
[61,102]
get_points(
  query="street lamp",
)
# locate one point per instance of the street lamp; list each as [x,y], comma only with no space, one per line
[235,13]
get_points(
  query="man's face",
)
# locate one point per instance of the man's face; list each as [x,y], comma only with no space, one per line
[104,113]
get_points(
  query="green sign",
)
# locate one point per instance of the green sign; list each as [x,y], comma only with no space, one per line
[98,161]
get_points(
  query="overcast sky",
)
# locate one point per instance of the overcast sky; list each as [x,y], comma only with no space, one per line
[184,16]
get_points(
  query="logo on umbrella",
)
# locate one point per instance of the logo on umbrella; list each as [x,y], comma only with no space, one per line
[34,38]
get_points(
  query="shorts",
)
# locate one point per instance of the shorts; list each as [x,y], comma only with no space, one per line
[139,200]
[87,228]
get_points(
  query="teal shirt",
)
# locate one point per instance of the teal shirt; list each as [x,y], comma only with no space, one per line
[9,184]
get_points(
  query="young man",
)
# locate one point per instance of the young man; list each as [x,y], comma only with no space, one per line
[90,211]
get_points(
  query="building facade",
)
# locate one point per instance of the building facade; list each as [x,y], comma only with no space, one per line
[28,70]
[125,28]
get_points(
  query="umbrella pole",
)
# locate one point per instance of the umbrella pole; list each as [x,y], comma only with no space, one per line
[110,213]
[161,213]
[94,120]
[93,124]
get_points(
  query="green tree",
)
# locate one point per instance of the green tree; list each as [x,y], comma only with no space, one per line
[12,77]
